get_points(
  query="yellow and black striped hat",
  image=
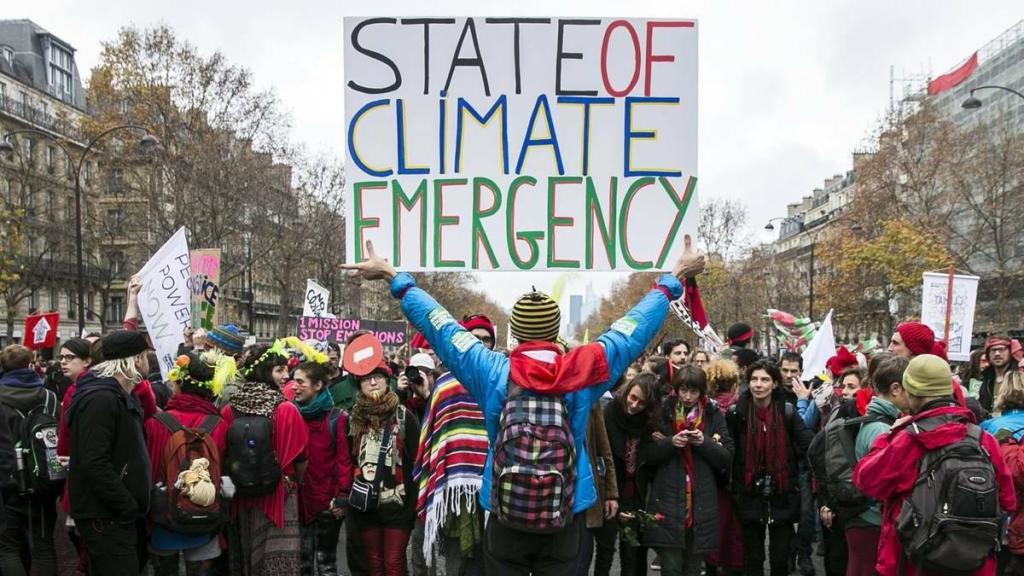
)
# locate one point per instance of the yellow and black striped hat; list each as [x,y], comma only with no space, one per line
[536,316]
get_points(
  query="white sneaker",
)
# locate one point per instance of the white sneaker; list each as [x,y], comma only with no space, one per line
[656,565]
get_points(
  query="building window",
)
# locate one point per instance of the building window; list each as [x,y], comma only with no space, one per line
[90,308]
[54,299]
[51,152]
[33,302]
[117,263]
[8,55]
[3,92]
[115,218]
[72,305]
[116,181]
[61,71]
[115,309]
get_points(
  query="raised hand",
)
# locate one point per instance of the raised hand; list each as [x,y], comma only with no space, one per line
[690,263]
[373,268]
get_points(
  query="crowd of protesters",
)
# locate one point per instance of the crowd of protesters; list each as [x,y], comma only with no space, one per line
[458,458]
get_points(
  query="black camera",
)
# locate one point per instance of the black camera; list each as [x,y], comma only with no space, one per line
[413,375]
[765,486]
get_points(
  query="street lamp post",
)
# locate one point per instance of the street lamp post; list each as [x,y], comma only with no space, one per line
[148,142]
[973,103]
[810,274]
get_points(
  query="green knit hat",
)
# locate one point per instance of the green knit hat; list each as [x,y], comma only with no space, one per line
[535,316]
[928,375]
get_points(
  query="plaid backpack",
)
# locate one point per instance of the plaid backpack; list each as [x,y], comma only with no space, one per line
[534,470]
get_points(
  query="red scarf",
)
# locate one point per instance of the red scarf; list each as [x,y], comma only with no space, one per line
[766,446]
[581,367]
[692,419]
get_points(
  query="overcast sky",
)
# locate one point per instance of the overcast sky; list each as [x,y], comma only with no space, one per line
[787,89]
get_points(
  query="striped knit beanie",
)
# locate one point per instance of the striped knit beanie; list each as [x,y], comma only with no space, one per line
[535,316]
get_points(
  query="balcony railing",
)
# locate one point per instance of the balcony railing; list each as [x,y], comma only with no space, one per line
[41,119]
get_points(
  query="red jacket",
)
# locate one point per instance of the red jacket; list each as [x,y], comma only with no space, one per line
[329,472]
[889,471]
[189,414]
[1013,454]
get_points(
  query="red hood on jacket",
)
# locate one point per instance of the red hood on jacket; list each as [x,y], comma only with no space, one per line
[541,367]
[888,473]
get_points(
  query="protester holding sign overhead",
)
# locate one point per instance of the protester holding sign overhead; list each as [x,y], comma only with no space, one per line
[533,530]
[581,155]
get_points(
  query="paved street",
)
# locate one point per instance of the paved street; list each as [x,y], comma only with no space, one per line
[616,570]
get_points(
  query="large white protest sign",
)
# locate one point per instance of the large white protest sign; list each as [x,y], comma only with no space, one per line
[520,143]
[961,312]
[165,299]
[314,303]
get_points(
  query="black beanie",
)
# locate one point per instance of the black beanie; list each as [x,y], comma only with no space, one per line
[120,344]
[739,334]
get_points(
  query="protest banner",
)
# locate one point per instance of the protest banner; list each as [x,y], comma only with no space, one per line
[165,299]
[314,303]
[205,285]
[41,331]
[466,151]
[390,333]
[935,304]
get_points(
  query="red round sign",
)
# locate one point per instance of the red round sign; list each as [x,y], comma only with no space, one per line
[362,355]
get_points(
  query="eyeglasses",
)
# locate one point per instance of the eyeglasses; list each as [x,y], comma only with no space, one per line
[67,357]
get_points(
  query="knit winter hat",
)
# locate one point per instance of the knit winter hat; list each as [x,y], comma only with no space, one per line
[535,316]
[476,321]
[919,339]
[226,337]
[739,333]
[928,375]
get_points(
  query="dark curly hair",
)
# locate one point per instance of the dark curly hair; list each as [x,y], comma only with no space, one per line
[259,368]
[316,371]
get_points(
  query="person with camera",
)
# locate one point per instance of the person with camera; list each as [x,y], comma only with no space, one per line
[383,436]
[770,440]
[416,382]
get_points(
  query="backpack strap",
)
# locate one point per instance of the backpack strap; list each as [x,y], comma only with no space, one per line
[209,424]
[169,421]
[50,404]
[382,454]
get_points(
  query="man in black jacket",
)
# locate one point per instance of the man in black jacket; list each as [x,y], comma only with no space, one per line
[109,478]
[30,507]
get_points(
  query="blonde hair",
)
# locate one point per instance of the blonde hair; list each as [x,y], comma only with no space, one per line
[1011,392]
[124,367]
[723,376]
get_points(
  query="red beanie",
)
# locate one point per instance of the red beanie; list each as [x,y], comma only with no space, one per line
[919,339]
[841,361]
[476,321]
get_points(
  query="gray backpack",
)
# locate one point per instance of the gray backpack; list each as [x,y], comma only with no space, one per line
[952,522]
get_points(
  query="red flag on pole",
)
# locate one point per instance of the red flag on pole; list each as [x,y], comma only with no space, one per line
[41,331]
[954,77]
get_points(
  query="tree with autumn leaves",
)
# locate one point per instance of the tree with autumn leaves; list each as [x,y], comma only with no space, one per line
[930,195]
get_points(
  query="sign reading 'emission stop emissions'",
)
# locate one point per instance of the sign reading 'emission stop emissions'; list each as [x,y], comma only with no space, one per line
[521,143]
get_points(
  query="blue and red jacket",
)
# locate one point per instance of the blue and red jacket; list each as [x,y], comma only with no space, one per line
[582,375]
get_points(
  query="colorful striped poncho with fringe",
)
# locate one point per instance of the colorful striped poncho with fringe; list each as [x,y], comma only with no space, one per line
[451,458]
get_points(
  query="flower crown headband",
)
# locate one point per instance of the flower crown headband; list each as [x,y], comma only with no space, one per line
[289,349]
[224,371]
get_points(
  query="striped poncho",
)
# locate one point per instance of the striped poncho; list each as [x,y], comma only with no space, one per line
[451,458]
